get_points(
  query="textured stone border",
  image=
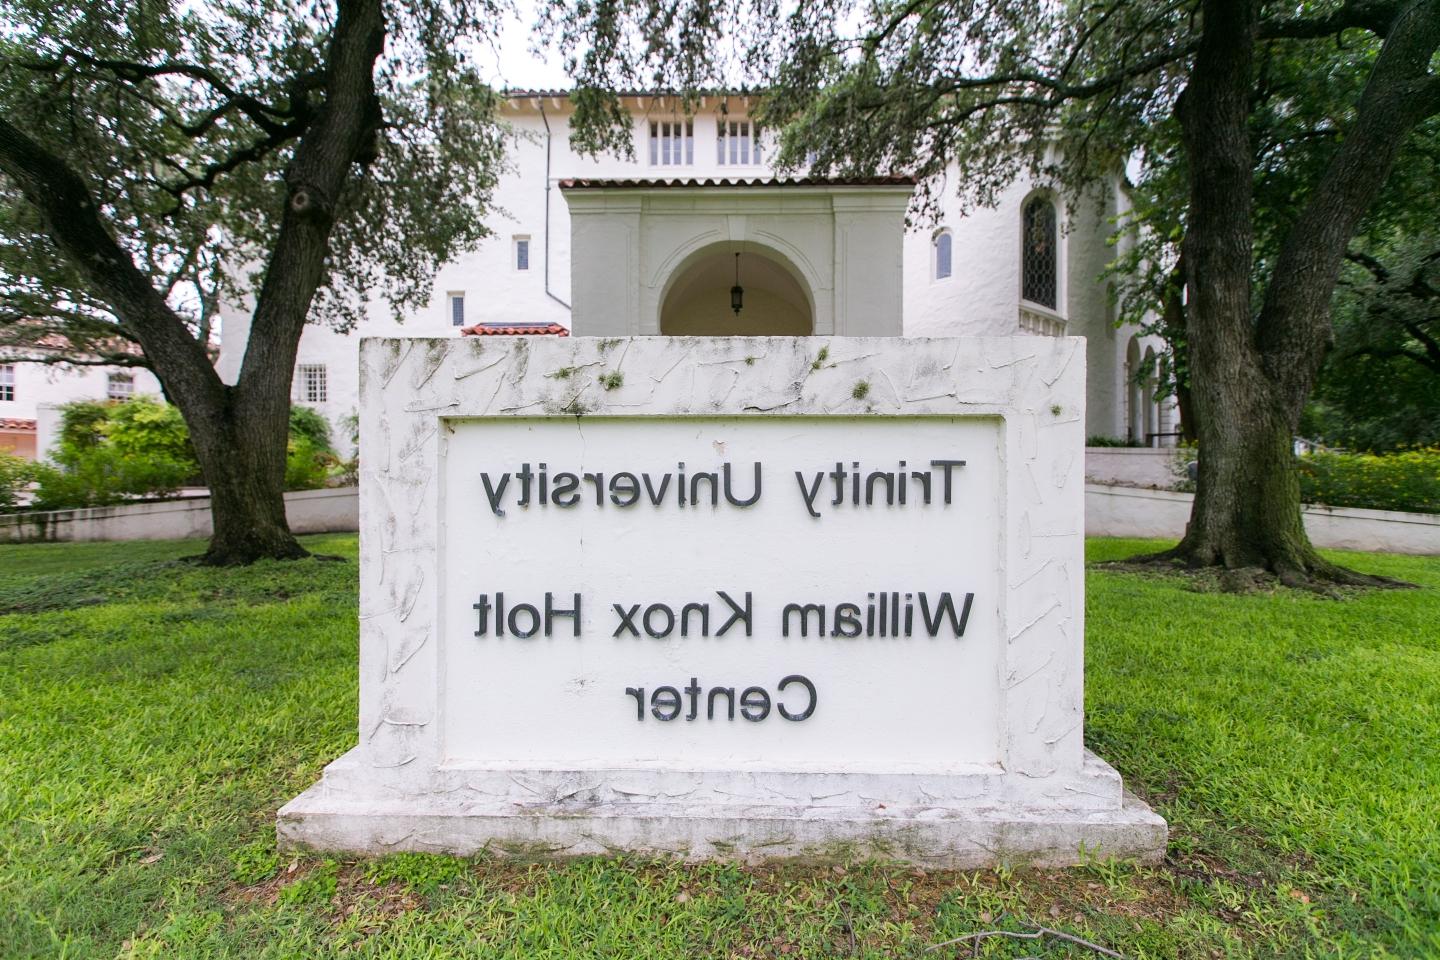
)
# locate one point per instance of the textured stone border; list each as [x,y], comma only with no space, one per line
[1046,801]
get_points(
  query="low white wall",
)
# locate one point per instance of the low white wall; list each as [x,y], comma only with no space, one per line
[1135,466]
[1110,511]
[309,511]
[1120,511]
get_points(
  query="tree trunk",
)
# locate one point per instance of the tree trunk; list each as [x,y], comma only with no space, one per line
[1250,373]
[1246,512]
[1247,500]
[242,457]
[239,432]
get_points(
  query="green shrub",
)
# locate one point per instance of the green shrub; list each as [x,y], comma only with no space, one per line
[306,467]
[150,428]
[82,424]
[1396,481]
[1103,441]
[311,424]
[111,452]
[16,475]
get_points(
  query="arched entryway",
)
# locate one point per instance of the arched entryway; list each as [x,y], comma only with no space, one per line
[775,302]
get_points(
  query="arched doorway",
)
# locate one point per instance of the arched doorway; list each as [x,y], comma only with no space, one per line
[776,301]
[1150,424]
[1134,402]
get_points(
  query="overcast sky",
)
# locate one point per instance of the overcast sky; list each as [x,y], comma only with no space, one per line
[513,65]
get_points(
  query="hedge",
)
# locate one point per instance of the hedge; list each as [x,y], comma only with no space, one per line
[1396,481]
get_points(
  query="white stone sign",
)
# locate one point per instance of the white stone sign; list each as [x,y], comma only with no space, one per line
[723,597]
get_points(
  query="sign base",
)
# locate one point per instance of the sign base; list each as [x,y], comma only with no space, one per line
[962,820]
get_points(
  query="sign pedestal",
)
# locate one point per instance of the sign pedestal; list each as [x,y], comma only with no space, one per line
[957,821]
[715,597]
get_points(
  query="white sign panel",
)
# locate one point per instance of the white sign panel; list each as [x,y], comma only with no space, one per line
[719,597]
[722,591]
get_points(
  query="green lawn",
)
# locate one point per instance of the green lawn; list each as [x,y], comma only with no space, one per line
[153,715]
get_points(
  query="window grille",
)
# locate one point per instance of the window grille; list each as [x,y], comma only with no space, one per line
[119,386]
[672,143]
[943,243]
[7,381]
[457,309]
[522,253]
[1039,261]
[738,143]
[312,382]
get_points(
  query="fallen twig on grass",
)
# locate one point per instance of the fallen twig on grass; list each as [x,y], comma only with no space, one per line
[1039,933]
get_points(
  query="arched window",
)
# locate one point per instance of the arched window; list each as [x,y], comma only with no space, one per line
[1039,260]
[943,244]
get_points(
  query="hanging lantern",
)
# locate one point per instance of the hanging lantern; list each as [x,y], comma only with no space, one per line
[737,292]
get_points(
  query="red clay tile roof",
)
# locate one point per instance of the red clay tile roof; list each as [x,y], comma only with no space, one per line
[514,330]
[588,183]
[17,423]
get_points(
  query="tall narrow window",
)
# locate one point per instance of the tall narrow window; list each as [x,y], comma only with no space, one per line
[943,243]
[312,382]
[457,309]
[672,143]
[522,253]
[1039,260]
[119,386]
[738,143]
[7,381]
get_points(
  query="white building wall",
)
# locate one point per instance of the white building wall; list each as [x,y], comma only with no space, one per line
[37,383]
[982,294]
[981,298]
[47,387]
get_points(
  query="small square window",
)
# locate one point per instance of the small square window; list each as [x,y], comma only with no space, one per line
[457,309]
[119,386]
[7,381]
[522,253]
[312,382]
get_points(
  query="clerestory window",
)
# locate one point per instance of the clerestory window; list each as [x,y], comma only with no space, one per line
[738,143]
[672,143]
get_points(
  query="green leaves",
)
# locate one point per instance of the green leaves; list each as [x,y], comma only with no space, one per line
[182,119]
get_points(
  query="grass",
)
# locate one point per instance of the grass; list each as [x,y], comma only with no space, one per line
[153,715]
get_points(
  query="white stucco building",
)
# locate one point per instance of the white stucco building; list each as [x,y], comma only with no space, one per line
[32,393]
[617,246]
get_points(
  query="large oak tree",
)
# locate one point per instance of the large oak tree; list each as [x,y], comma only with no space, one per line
[299,157]
[1068,92]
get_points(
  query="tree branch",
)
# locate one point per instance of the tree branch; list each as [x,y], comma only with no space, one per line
[1293,330]
[262,114]
[1377,16]
[71,219]
[1390,353]
[341,134]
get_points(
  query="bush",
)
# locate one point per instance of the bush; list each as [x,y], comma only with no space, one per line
[306,467]
[147,427]
[16,475]
[309,423]
[1396,481]
[1103,441]
[310,458]
[111,452]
